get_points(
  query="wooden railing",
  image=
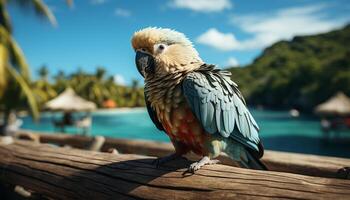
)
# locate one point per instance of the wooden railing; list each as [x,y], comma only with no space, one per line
[46,171]
[320,166]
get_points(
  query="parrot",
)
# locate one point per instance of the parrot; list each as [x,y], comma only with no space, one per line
[196,104]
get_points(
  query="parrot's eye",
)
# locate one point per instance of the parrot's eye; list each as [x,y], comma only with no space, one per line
[143,50]
[159,48]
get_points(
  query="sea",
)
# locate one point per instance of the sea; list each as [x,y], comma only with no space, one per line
[278,130]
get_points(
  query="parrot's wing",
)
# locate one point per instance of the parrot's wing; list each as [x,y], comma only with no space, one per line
[153,115]
[220,107]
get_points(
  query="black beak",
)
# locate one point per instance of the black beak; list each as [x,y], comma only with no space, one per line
[144,63]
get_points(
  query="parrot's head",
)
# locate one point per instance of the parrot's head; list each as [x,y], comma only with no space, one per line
[162,51]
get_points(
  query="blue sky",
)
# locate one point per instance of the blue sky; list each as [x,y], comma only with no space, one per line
[225,32]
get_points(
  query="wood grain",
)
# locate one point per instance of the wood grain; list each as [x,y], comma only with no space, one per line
[313,165]
[62,173]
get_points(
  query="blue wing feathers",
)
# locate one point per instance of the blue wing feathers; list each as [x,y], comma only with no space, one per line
[219,106]
[210,125]
[204,112]
[226,119]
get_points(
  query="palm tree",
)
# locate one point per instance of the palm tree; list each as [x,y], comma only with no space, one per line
[61,83]
[134,84]
[42,89]
[43,72]
[95,87]
[60,76]
[100,73]
[14,70]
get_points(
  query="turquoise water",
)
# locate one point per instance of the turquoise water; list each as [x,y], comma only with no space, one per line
[279,131]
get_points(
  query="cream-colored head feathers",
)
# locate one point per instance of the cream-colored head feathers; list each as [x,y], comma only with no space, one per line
[172,50]
[152,35]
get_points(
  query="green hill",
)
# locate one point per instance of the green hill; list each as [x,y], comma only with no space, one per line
[300,73]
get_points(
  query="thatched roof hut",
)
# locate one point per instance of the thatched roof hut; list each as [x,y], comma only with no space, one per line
[70,101]
[339,104]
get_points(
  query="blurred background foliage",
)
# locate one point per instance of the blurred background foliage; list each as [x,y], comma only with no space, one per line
[290,74]
[298,74]
[96,87]
[19,92]
[15,90]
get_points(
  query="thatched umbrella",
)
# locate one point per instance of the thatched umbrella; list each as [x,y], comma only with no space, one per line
[70,101]
[338,105]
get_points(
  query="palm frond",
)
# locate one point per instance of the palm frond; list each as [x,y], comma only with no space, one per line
[3,63]
[26,90]
[43,10]
[15,53]
[40,8]
[4,16]
[18,59]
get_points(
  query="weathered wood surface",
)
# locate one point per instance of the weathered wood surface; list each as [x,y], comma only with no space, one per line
[62,173]
[322,166]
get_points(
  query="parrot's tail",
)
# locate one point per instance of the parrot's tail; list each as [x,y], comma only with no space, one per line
[252,162]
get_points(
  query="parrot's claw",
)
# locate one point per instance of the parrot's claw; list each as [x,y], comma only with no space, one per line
[160,161]
[204,161]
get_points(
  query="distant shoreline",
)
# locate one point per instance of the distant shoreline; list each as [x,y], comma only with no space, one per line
[97,111]
[117,109]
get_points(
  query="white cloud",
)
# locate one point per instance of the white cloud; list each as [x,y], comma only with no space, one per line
[218,40]
[265,29]
[284,24]
[202,5]
[97,2]
[232,62]
[122,12]
[119,79]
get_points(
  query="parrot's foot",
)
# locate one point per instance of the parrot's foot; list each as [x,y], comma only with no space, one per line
[163,160]
[204,161]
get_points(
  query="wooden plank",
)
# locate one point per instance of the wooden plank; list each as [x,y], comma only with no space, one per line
[322,166]
[62,173]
